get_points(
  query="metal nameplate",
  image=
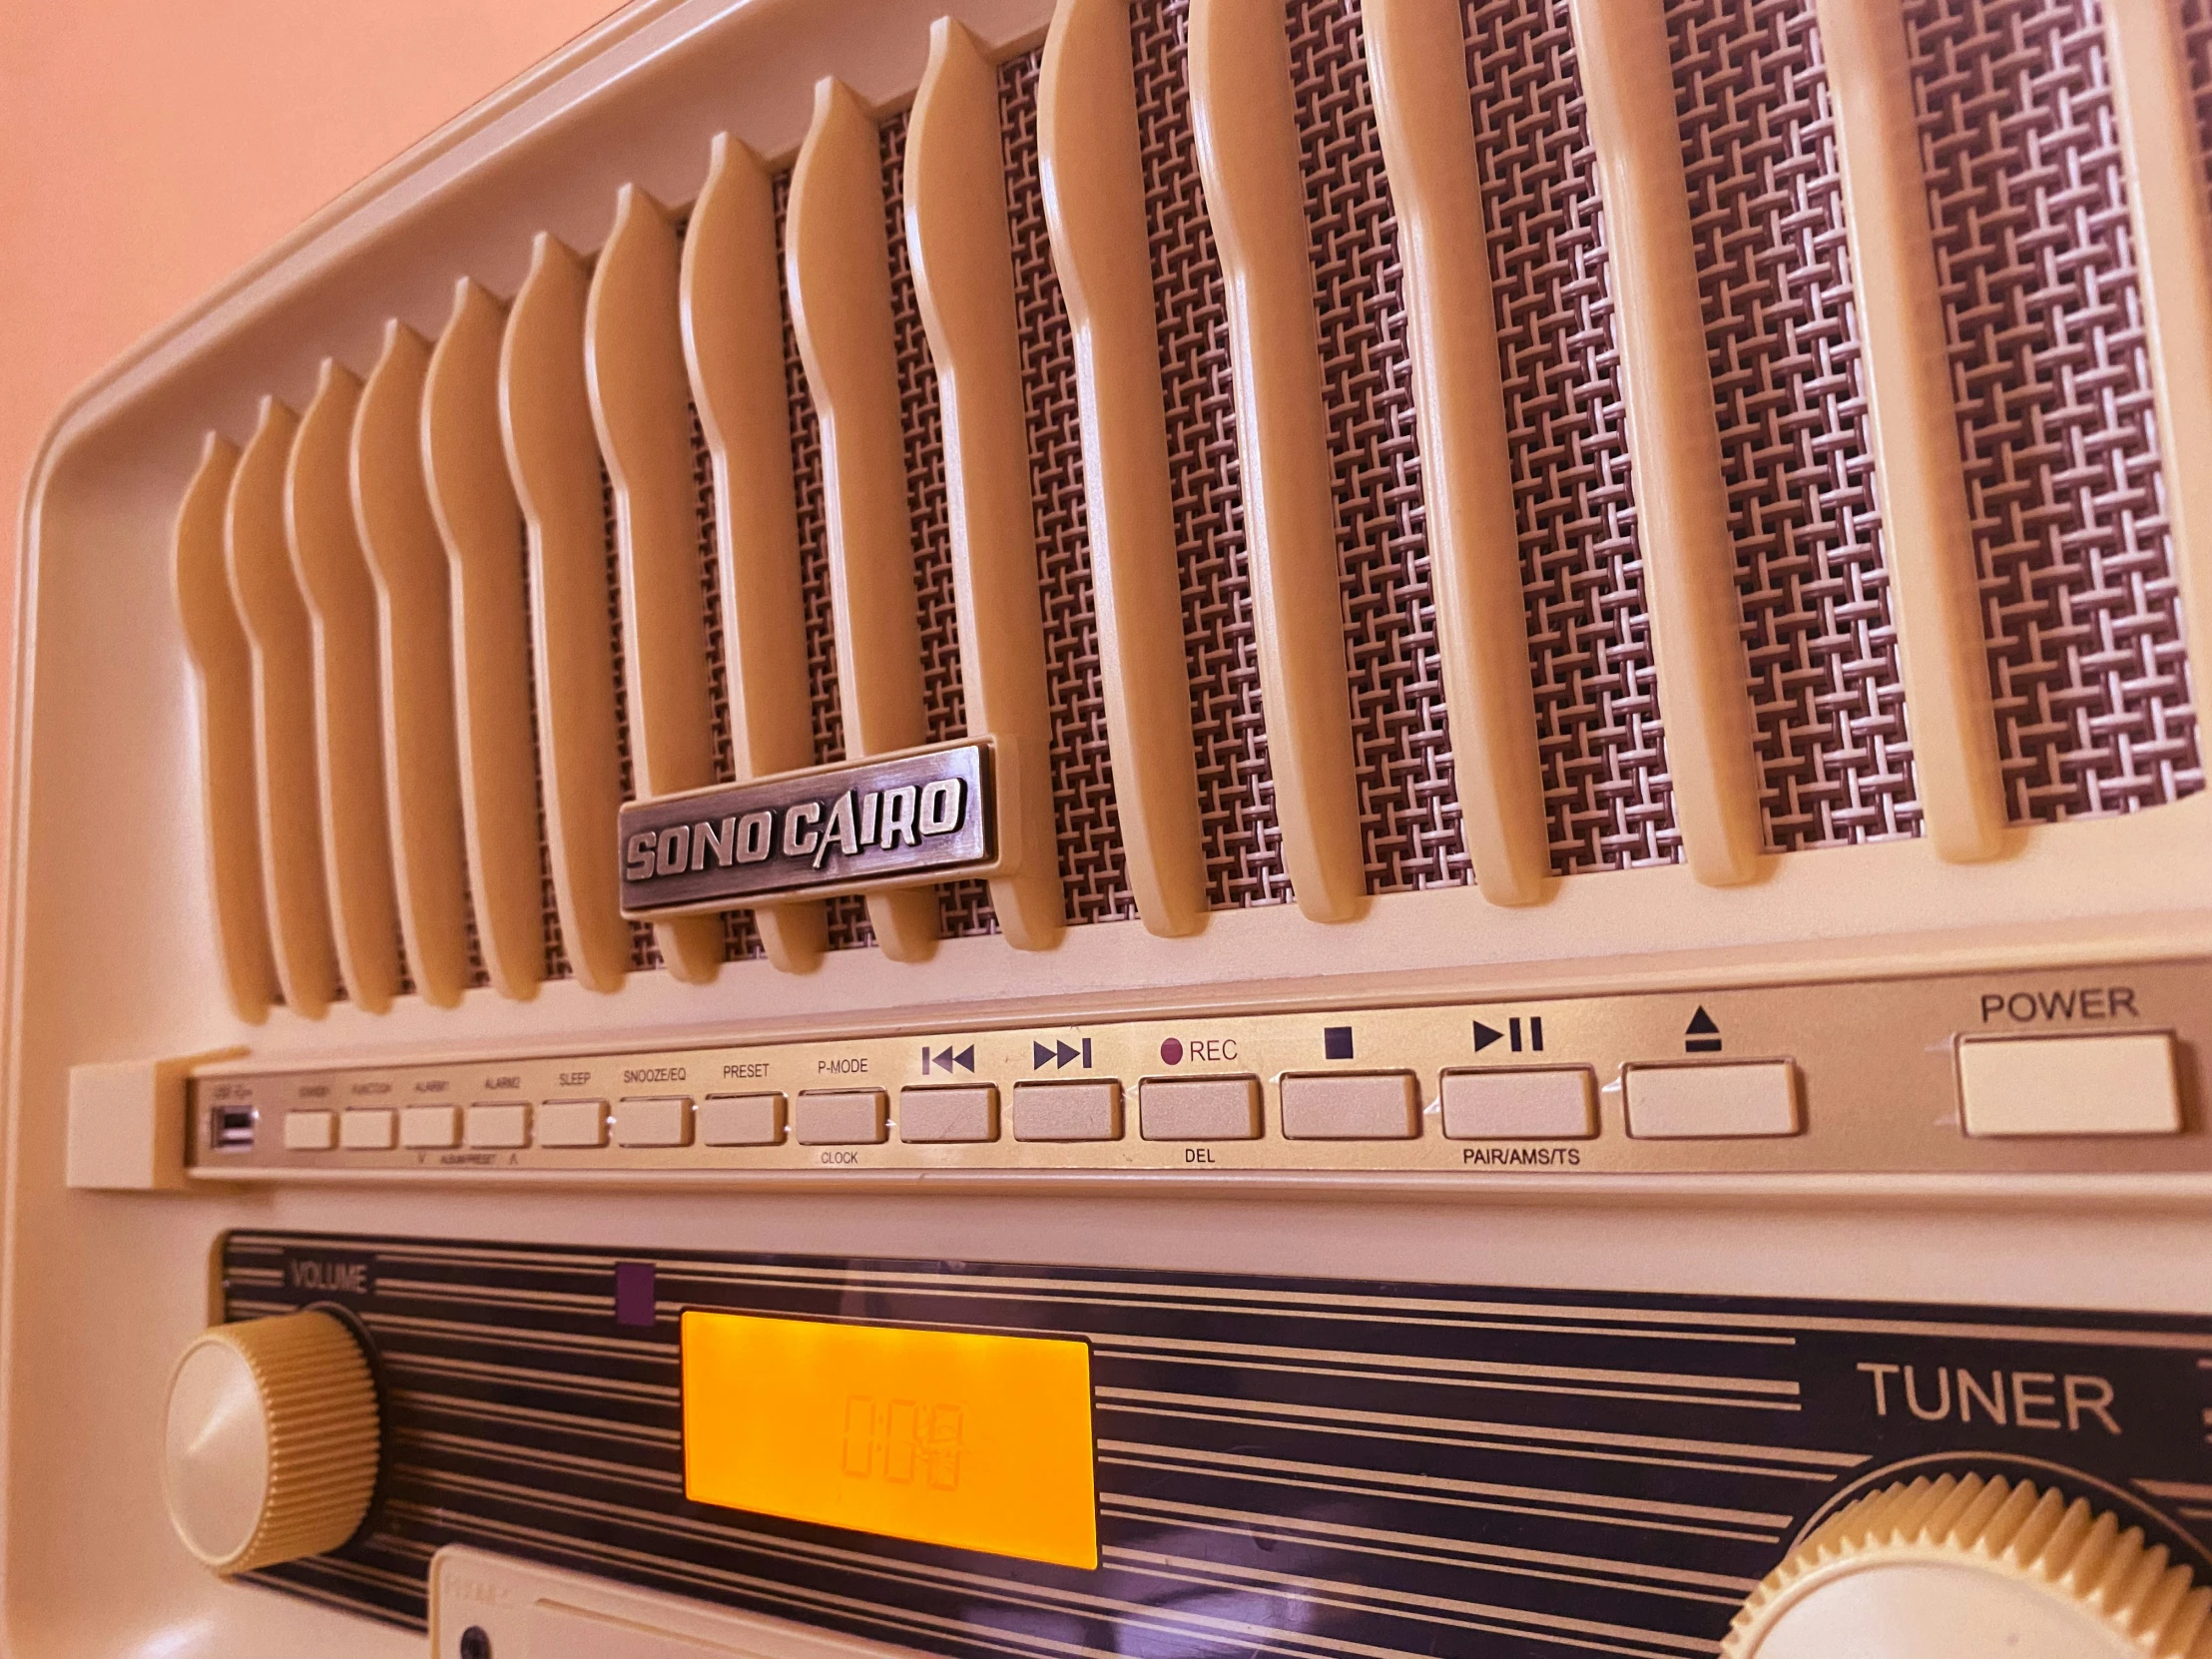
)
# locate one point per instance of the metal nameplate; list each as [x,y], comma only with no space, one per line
[896,820]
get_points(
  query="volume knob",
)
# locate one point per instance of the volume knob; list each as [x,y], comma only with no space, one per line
[1974,1569]
[271,1440]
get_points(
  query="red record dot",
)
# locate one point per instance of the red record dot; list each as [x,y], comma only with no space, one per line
[1170,1051]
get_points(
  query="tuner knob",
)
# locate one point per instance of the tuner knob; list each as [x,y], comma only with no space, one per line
[1973,1568]
[271,1440]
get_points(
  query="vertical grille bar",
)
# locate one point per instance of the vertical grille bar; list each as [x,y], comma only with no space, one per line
[964,908]
[1606,784]
[1696,620]
[847,923]
[1766,207]
[1094,866]
[1408,802]
[1243,854]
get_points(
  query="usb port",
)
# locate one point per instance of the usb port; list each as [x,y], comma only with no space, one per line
[231,1128]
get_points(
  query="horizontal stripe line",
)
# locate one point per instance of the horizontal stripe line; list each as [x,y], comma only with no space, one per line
[1357,1598]
[1830,1461]
[1624,1577]
[1465,1368]
[1402,1437]
[2177,1489]
[1500,1385]
[1479,1489]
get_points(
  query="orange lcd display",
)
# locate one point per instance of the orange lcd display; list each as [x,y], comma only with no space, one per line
[943,1436]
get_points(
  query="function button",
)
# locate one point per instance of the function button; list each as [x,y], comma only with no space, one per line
[430,1126]
[309,1131]
[369,1129]
[2117,1084]
[840,1117]
[1711,1102]
[1555,1103]
[1199,1108]
[742,1120]
[572,1123]
[1067,1111]
[497,1124]
[960,1114]
[656,1120]
[1352,1106]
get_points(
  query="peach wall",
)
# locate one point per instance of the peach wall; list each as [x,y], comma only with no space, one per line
[149,147]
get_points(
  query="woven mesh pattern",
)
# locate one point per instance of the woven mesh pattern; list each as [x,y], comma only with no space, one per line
[1402,746]
[1235,794]
[846,917]
[557,964]
[1766,207]
[1094,871]
[645,950]
[2048,360]
[964,908]
[1606,790]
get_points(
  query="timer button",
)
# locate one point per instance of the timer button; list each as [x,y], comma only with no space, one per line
[271,1440]
[1973,1568]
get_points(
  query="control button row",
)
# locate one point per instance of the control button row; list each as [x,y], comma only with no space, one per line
[1708,1101]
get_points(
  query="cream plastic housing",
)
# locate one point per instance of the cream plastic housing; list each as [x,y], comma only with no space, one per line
[131,923]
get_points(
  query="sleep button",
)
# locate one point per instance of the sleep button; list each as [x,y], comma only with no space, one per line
[1199,1108]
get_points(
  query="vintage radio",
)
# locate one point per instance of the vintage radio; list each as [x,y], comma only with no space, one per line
[1146,827]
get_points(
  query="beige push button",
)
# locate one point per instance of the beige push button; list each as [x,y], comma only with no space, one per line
[840,1117]
[1712,1102]
[309,1131]
[653,1120]
[1067,1111]
[942,1115]
[2122,1084]
[371,1130]
[1199,1108]
[1554,1104]
[430,1126]
[1352,1106]
[497,1123]
[742,1120]
[572,1123]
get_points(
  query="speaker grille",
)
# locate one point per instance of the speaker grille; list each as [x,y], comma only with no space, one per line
[1766,207]
[2056,420]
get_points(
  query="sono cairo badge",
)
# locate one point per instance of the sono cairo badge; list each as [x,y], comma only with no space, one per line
[891,822]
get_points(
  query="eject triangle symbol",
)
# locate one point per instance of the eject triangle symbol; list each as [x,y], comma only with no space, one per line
[1701,1025]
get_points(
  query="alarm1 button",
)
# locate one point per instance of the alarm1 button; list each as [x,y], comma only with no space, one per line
[2117,1084]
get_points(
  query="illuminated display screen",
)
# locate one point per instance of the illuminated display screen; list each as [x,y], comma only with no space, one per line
[943,1436]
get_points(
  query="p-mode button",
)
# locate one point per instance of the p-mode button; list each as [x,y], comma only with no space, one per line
[2121,1084]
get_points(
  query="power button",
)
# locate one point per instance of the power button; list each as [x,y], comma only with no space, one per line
[2117,1084]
